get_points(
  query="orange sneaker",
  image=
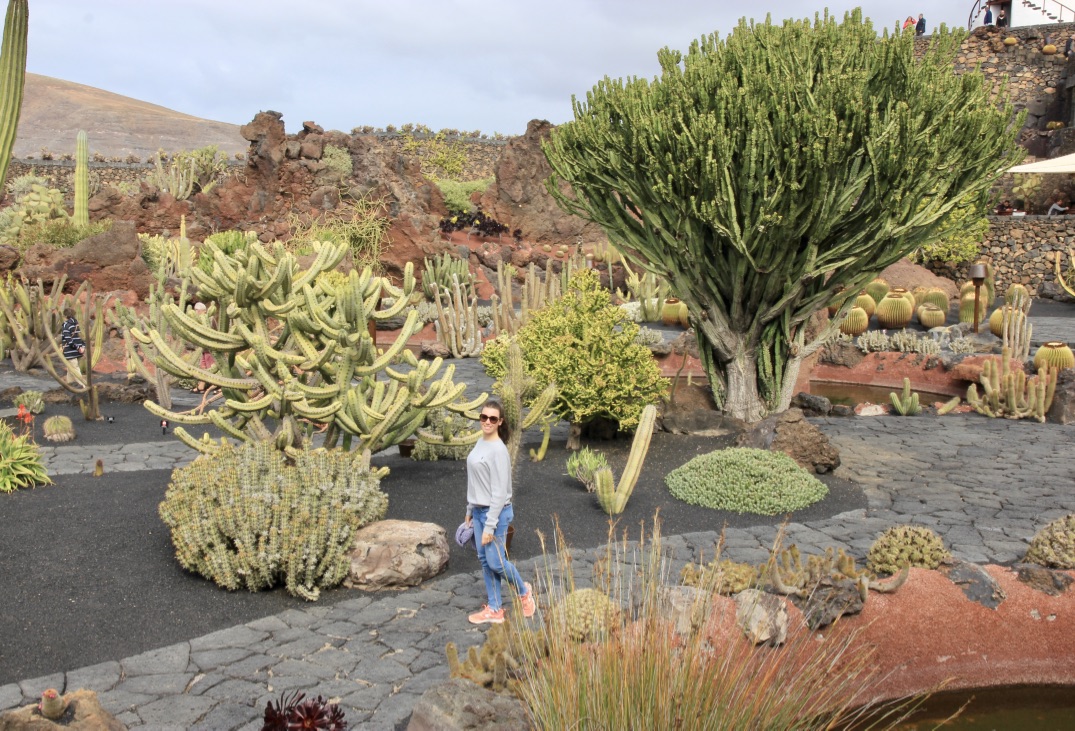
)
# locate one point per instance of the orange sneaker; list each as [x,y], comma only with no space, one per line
[487,615]
[529,601]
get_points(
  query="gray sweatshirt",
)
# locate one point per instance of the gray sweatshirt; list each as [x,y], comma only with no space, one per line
[489,479]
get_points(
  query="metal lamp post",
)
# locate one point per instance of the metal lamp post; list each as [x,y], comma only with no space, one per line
[976,272]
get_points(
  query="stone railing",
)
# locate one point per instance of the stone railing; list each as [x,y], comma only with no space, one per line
[1023,249]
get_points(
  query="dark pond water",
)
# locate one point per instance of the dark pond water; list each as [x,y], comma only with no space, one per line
[1033,708]
[852,394]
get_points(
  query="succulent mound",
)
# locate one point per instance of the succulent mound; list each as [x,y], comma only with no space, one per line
[906,545]
[746,480]
[1054,545]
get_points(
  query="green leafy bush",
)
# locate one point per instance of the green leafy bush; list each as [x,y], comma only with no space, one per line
[245,517]
[361,227]
[20,461]
[586,346]
[34,401]
[745,480]
[60,232]
[457,193]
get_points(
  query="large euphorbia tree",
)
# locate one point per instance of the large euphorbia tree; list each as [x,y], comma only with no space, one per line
[764,173]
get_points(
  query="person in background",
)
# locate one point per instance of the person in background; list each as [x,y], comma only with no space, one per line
[1058,208]
[1004,208]
[988,15]
[1069,47]
[1002,19]
[920,26]
[73,346]
[909,23]
[489,511]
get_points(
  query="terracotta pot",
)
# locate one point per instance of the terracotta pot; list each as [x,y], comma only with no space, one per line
[406,448]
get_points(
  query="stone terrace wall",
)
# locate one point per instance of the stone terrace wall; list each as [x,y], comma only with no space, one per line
[1023,249]
[1035,80]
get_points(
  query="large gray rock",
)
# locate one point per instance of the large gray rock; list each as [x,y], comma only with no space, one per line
[393,553]
[790,433]
[762,617]
[459,705]
[83,711]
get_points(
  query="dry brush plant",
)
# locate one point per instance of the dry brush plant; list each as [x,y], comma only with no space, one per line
[649,667]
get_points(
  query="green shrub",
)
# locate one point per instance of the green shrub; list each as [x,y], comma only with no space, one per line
[245,517]
[229,242]
[494,356]
[745,480]
[457,193]
[361,227]
[586,346]
[21,185]
[60,232]
[583,464]
[338,160]
[20,461]
[905,545]
[1054,545]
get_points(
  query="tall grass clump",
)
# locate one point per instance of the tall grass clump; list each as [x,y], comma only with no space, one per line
[659,665]
[361,226]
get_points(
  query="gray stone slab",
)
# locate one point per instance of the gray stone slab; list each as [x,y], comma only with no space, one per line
[228,715]
[171,659]
[33,688]
[117,701]
[181,711]
[10,696]
[235,688]
[249,666]
[156,684]
[240,636]
[210,659]
[100,677]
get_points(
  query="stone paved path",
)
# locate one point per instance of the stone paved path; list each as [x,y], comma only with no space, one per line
[985,485]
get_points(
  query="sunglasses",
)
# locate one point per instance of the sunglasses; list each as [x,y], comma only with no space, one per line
[487,417]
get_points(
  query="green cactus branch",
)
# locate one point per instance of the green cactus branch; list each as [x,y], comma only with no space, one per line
[12,78]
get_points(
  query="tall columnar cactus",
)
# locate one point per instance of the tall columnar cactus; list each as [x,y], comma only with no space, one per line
[82,180]
[757,214]
[1009,393]
[294,350]
[517,387]
[505,318]
[1015,328]
[613,498]
[906,404]
[457,321]
[12,77]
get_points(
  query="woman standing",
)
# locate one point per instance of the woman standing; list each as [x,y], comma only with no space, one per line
[489,509]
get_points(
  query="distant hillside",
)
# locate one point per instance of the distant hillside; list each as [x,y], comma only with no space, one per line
[53,111]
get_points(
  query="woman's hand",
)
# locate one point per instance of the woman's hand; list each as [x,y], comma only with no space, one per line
[487,538]
[468,521]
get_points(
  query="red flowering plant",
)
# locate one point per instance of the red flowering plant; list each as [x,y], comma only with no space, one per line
[26,418]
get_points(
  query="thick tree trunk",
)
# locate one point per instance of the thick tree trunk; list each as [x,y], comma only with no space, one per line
[741,398]
[574,436]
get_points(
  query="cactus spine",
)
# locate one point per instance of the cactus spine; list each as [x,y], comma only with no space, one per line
[12,77]
[613,498]
[82,180]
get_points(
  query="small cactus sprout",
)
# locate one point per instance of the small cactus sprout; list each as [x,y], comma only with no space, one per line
[949,406]
[906,545]
[906,403]
[1055,354]
[855,322]
[59,429]
[52,704]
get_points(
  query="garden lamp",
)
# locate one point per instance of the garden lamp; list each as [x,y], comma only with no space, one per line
[976,272]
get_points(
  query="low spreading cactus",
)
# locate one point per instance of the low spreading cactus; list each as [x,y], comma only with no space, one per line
[726,577]
[906,545]
[745,480]
[59,429]
[1054,545]
[588,615]
[245,517]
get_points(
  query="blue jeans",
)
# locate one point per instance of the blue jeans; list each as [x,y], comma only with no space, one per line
[493,557]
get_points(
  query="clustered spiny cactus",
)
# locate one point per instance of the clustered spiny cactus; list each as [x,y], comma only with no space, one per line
[904,546]
[1054,545]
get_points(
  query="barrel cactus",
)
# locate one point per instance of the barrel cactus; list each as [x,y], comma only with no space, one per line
[877,289]
[931,316]
[1016,291]
[996,320]
[588,615]
[59,429]
[906,294]
[866,302]
[1055,354]
[1054,545]
[894,311]
[855,322]
[906,545]
[966,309]
[937,297]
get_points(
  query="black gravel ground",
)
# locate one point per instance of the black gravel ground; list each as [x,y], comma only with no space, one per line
[88,574]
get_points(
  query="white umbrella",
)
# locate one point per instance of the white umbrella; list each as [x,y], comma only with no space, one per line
[1065,164]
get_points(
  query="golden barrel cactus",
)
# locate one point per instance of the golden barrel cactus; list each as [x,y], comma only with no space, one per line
[894,311]
[931,316]
[855,322]
[1055,354]
[865,301]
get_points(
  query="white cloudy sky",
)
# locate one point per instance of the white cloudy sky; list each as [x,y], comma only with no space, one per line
[465,64]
